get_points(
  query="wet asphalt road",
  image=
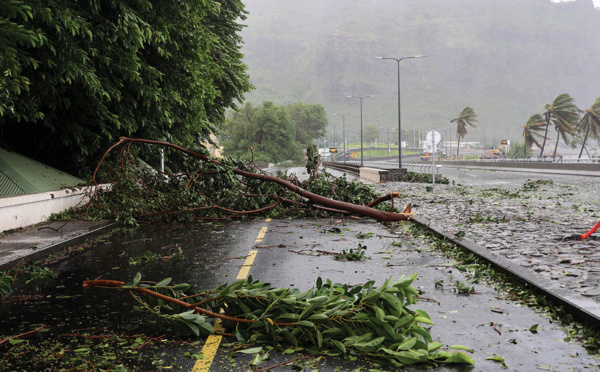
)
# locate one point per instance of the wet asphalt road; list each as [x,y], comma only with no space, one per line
[288,256]
[499,178]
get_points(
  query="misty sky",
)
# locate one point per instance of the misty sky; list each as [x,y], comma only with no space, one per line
[596,2]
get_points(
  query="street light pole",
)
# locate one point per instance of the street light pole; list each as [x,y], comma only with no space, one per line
[361,126]
[344,130]
[399,115]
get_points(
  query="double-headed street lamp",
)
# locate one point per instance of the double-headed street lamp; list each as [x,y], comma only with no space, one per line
[361,126]
[344,130]
[399,117]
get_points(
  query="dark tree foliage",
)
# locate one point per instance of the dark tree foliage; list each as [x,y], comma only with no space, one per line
[98,70]
[14,36]
[310,121]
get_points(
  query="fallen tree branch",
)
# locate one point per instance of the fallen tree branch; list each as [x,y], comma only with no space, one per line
[360,210]
[5,340]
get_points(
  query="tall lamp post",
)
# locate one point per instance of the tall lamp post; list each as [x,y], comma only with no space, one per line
[344,130]
[361,126]
[399,116]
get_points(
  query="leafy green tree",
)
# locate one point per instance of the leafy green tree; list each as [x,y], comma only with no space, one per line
[532,128]
[465,117]
[563,113]
[370,133]
[590,122]
[267,129]
[15,35]
[310,121]
[106,69]
[518,150]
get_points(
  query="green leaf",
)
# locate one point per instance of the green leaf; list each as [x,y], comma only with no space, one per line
[339,345]
[498,359]
[253,350]
[256,360]
[318,300]
[318,317]
[289,316]
[374,342]
[458,357]
[421,319]
[137,279]
[407,344]
[533,328]
[379,313]
[412,356]
[404,320]
[194,327]
[460,347]
[164,282]
[206,327]
[433,346]
[306,323]
[405,282]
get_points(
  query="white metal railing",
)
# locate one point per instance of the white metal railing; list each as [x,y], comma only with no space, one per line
[422,168]
[413,167]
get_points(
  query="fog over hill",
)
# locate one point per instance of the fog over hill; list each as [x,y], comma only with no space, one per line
[504,58]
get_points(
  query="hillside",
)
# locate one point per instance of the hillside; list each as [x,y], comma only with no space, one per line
[506,59]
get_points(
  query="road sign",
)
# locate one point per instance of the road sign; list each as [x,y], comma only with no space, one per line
[433,136]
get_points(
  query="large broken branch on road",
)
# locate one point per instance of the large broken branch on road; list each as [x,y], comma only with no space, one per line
[316,201]
[330,318]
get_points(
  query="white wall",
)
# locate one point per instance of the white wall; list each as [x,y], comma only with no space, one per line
[25,210]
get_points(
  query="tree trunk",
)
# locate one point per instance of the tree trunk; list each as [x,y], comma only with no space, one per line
[545,134]
[458,146]
[583,144]
[556,146]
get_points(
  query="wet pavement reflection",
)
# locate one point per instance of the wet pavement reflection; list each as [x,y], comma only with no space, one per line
[294,253]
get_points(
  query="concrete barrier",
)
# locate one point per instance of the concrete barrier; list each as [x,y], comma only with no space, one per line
[25,210]
[373,175]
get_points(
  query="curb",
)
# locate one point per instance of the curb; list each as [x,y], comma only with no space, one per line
[42,253]
[588,311]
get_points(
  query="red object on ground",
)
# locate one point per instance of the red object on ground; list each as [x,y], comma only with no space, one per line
[587,234]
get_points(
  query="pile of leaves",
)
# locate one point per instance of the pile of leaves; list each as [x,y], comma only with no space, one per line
[331,318]
[200,188]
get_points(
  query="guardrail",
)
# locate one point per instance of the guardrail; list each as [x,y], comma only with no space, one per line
[413,167]
[422,168]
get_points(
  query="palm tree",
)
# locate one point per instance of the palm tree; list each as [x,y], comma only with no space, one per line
[590,122]
[466,116]
[532,128]
[563,113]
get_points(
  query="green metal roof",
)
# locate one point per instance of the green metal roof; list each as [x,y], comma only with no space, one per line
[20,175]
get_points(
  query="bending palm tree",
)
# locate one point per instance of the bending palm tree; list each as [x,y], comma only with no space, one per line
[532,128]
[590,122]
[466,116]
[563,113]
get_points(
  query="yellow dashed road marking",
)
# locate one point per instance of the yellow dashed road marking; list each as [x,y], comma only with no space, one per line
[211,346]
[261,235]
[245,270]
